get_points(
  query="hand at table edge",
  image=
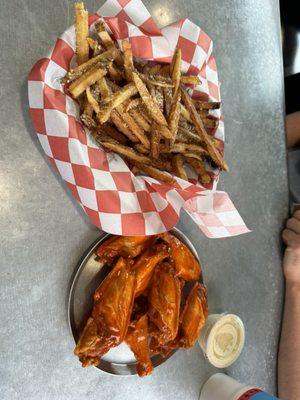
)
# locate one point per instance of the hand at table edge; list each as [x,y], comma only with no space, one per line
[291,259]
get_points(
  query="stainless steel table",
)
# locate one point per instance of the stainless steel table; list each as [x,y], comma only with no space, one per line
[43,231]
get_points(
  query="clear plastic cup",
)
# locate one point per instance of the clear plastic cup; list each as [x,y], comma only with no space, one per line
[222,339]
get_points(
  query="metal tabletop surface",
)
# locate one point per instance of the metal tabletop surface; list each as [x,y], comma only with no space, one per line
[44,232]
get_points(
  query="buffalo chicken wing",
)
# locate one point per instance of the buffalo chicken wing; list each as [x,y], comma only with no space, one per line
[145,265]
[113,302]
[164,349]
[186,265]
[192,319]
[193,316]
[164,302]
[122,246]
[137,340]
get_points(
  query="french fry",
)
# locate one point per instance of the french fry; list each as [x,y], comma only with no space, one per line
[118,98]
[132,103]
[128,60]
[103,88]
[150,103]
[140,148]
[196,156]
[185,113]
[203,113]
[174,112]
[162,163]
[126,152]
[100,61]
[125,93]
[217,143]
[155,173]
[92,101]
[187,125]
[94,46]
[92,43]
[190,80]
[152,92]
[209,122]
[123,127]
[104,36]
[87,79]
[159,98]
[115,73]
[174,115]
[190,147]
[186,136]
[112,132]
[134,127]
[157,95]
[199,167]
[167,100]
[88,121]
[101,136]
[140,120]
[184,148]
[155,69]
[87,107]
[207,105]
[107,41]
[164,132]
[95,91]
[213,152]
[143,110]
[81,32]
[86,116]
[155,141]
[157,80]
[176,69]
[178,168]
[112,85]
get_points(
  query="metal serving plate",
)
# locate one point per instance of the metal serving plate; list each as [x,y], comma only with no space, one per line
[89,274]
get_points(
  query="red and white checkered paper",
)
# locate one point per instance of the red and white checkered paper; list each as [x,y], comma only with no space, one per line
[114,199]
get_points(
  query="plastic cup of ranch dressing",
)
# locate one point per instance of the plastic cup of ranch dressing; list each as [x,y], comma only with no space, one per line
[222,387]
[222,339]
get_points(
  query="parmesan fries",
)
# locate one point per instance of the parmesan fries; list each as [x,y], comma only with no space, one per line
[141,110]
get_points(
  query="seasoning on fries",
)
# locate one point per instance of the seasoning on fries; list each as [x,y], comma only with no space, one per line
[142,110]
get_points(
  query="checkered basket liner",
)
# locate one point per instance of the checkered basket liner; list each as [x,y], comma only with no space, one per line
[113,198]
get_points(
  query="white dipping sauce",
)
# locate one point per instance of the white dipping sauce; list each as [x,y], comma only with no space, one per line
[222,339]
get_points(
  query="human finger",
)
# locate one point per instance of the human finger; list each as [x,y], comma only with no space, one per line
[291,238]
[294,225]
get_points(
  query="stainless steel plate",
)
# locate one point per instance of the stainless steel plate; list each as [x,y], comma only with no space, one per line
[89,274]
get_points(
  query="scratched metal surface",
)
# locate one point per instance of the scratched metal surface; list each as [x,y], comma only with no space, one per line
[44,232]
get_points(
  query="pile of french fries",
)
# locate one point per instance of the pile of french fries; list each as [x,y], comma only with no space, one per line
[141,110]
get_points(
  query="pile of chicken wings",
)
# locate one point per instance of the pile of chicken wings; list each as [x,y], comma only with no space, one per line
[144,300]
